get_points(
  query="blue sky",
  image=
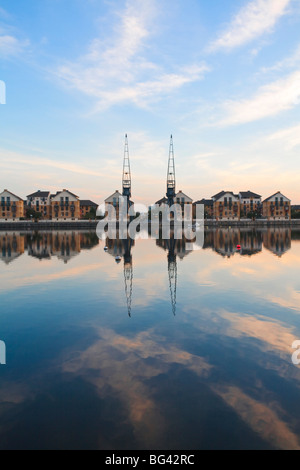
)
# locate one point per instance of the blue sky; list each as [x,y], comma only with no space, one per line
[79,74]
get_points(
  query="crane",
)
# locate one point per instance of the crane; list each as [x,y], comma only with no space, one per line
[128,272]
[126,181]
[171,180]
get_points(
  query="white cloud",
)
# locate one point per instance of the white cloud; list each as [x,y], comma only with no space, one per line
[257,18]
[270,100]
[117,71]
[11,46]
[289,62]
[290,137]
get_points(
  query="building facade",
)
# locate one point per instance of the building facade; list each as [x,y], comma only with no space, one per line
[11,206]
[40,202]
[226,206]
[250,204]
[208,208]
[87,207]
[277,207]
[186,204]
[65,206]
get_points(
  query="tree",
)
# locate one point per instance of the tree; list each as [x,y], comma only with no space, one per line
[295,214]
[32,214]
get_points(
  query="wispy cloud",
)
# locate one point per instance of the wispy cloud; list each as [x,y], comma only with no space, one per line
[255,19]
[11,46]
[289,137]
[118,71]
[287,63]
[270,100]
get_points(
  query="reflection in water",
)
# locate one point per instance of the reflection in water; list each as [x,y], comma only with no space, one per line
[45,245]
[218,375]
[66,245]
[122,249]
[174,247]
[12,245]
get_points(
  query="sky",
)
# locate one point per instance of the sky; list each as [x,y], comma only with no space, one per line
[80,74]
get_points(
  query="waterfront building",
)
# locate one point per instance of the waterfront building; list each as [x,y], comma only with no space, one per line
[208,208]
[250,204]
[65,206]
[296,212]
[115,201]
[12,206]
[277,207]
[186,204]
[87,207]
[226,206]
[40,201]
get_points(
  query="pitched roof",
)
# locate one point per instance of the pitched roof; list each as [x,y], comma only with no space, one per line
[39,194]
[222,193]
[65,191]
[112,195]
[217,196]
[88,203]
[180,193]
[278,192]
[164,200]
[206,202]
[249,194]
[6,191]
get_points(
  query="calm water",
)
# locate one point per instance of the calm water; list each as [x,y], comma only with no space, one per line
[167,349]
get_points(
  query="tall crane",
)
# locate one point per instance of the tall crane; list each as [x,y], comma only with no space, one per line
[171,180]
[126,182]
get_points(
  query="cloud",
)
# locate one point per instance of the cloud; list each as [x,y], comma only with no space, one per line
[259,416]
[290,137]
[255,19]
[270,100]
[11,46]
[116,71]
[289,62]
[10,158]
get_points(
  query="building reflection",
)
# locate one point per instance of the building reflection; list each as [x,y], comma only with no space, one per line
[66,245]
[62,245]
[278,241]
[12,245]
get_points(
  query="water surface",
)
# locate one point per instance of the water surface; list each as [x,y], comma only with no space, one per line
[166,349]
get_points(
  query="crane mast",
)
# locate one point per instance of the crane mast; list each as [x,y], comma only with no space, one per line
[171,180]
[126,182]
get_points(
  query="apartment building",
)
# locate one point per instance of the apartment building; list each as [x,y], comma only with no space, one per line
[11,206]
[226,206]
[40,202]
[65,206]
[208,208]
[277,207]
[87,207]
[250,203]
[186,204]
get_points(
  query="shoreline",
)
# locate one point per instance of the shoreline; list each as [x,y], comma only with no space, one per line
[92,225]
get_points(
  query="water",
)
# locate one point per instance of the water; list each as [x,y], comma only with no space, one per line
[167,349]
